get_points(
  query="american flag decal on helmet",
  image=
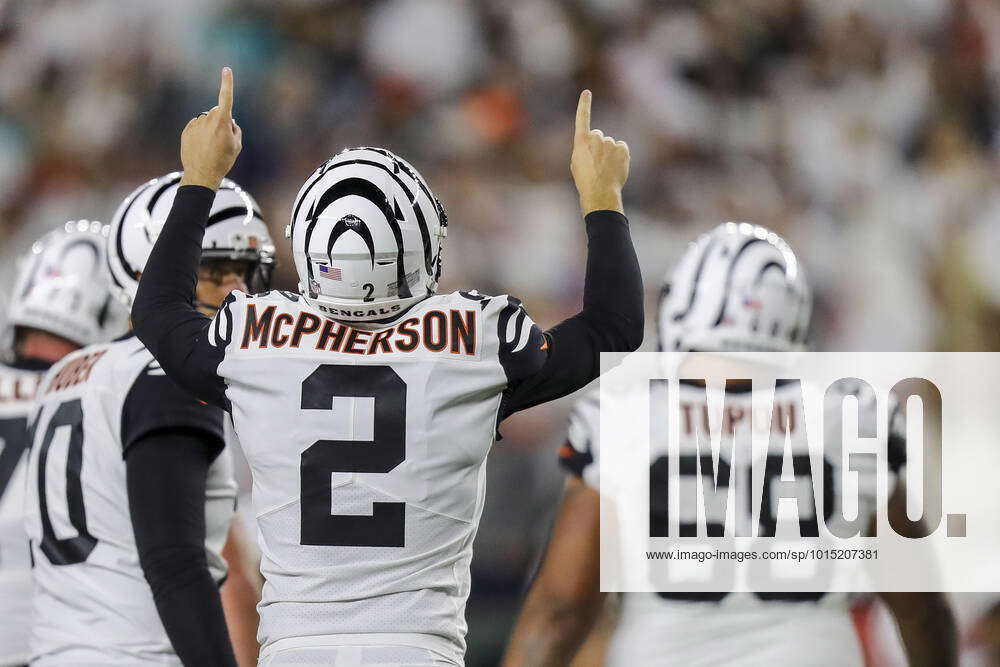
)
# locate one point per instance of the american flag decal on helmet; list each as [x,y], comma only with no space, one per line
[329,272]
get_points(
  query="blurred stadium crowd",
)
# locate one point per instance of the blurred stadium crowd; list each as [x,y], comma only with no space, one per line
[865,132]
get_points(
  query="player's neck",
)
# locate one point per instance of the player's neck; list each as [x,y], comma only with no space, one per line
[43,346]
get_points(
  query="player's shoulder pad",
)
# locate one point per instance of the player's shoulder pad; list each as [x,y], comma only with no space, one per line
[224,324]
[128,356]
[18,384]
[465,299]
[522,347]
[276,296]
[103,363]
[490,305]
[155,402]
[241,312]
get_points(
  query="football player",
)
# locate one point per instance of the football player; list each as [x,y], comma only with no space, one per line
[132,490]
[737,288]
[61,301]
[365,403]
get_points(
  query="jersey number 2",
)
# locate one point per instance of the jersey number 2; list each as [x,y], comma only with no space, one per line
[385,526]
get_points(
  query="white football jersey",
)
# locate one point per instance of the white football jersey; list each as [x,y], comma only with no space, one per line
[368,446]
[92,605]
[17,389]
[740,629]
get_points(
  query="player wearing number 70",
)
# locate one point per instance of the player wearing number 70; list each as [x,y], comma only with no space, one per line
[131,491]
[61,301]
[366,403]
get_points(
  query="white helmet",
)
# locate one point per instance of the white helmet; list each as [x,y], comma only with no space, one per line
[235,231]
[366,236]
[63,288]
[738,287]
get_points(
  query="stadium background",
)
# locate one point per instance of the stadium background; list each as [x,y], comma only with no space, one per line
[865,132]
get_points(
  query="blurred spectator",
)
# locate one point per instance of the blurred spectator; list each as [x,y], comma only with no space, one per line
[864,131]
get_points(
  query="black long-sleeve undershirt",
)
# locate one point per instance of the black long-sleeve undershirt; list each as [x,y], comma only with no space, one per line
[163,314]
[166,474]
[169,441]
[611,319]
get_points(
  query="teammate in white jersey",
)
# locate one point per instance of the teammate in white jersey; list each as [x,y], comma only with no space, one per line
[131,492]
[61,301]
[737,288]
[365,403]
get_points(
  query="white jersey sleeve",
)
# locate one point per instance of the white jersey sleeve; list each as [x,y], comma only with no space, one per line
[579,455]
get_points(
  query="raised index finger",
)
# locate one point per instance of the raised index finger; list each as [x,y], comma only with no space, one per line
[226,92]
[583,114]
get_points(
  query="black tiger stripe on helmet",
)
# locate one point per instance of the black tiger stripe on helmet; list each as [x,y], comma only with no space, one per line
[738,287]
[235,230]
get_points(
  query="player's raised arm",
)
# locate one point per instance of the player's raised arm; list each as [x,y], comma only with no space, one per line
[612,317]
[163,314]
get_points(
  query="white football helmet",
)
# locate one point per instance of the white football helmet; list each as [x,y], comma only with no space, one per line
[737,288]
[366,235]
[63,288]
[235,231]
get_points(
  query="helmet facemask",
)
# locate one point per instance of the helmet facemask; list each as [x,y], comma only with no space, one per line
[254,266]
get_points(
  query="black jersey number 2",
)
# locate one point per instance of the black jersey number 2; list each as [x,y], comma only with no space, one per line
[385,526]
